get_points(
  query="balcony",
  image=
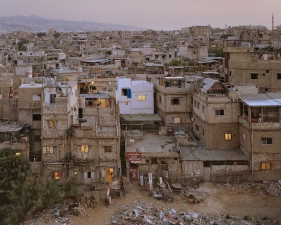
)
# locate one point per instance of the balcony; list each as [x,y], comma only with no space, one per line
[258,124]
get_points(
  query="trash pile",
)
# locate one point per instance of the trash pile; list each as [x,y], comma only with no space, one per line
[143,213]
[163,191]
[270,188]
[194,196]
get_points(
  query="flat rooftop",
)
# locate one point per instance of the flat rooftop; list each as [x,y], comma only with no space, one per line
[202,154]
[151,142]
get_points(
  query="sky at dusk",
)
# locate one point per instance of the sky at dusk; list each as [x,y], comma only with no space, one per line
[151,14]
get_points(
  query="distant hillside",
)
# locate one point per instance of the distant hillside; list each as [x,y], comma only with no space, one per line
[38,24]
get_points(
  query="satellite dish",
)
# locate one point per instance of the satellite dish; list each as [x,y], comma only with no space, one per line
[58,90]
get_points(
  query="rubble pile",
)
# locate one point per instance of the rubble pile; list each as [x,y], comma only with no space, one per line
[194,196]
[271,188]
[143,213]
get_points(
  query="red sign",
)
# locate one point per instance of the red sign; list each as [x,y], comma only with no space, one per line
[133,156]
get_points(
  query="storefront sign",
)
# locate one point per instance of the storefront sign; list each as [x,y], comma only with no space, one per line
[133,156]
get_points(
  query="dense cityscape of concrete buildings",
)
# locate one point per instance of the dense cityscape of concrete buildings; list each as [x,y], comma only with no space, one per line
[200,103]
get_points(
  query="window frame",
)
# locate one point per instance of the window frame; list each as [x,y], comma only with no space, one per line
[107,148]
[227,136]
[219,112]
[175,101]
[141,98]
[254,76]
[34,116]
[266,139]
[84,148]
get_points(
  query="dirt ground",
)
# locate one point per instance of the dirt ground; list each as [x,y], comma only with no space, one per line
[220,199]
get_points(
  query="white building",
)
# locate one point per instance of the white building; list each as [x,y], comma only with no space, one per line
[134,97]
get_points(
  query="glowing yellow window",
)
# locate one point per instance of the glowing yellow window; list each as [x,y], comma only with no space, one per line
[84,148]
[17,153]
[52,124]
[265,166]
[58,175]
[228,136]
[141,97]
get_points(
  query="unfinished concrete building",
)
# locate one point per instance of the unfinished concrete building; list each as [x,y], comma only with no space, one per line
[173,101]
[261,67]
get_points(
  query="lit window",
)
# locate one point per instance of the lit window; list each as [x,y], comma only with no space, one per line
[48,149]
[84,148]
[52,124]
[228,136]
[266,141]
[17,153]
[266,166]
[176,119]
[141,97]
[58,175]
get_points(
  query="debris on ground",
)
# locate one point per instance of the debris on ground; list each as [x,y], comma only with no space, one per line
[143,213]
[269,188]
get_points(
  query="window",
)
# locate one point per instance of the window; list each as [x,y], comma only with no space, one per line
[228,136]
[267,71]
[266,141]
[160,98]
[141,98]
[58,175]
[196,127]
[175,101]
[194,103]
[203,109]
[36,97]
[279,76]
[124,91]
[176,119]
[198,105]
[107,148]
[52,99]
[80,113]
[153,160]
[266,166]
[48,149]
[52,124]
[219,112]
[147,161]
[254,76]
[84,148]
[36,117]
[89,175]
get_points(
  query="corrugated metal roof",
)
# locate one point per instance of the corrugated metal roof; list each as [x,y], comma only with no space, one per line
[268,99]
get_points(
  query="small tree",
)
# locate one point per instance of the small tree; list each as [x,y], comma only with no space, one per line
[69,188]
[41,34]
[21,43]
[56,35]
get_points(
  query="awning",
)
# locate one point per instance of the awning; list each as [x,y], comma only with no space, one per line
[9,128]
[141,117]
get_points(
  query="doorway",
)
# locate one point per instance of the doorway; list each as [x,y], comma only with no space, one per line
[134,172]
[109,175]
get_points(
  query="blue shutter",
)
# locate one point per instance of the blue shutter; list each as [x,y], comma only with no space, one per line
[129,94]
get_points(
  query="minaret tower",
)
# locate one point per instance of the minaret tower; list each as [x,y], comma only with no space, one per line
[272,22]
